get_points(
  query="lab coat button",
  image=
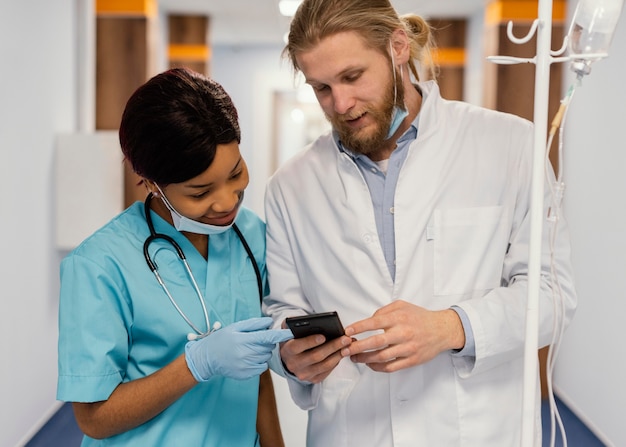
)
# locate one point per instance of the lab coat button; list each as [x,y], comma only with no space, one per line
[392,210]
[368,238]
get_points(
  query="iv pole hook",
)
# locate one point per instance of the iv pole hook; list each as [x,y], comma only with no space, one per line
[518,40]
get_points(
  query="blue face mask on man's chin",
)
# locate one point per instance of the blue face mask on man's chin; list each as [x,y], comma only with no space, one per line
[397,116]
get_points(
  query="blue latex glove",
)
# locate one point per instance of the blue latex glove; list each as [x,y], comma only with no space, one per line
[240,350]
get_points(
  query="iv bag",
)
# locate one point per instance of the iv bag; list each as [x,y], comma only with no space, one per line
[591,32]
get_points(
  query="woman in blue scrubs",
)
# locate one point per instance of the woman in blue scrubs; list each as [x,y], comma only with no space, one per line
[152,352]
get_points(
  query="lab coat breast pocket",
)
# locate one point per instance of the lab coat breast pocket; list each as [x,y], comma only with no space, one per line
[469,249]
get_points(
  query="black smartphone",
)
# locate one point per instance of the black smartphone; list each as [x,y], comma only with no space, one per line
[326,323]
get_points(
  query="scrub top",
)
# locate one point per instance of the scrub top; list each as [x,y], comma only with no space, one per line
[116,324]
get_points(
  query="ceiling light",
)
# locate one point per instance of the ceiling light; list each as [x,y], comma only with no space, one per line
[288,7]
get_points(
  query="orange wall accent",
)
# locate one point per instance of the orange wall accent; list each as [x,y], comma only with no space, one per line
[449,57]
[134,8]
[506,10]
[189,52]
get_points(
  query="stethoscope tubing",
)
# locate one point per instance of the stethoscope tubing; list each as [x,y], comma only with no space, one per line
[181,254]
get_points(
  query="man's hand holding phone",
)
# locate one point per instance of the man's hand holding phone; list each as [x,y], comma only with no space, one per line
[316,350]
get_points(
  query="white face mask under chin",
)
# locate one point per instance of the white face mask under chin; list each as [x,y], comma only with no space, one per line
[182,223]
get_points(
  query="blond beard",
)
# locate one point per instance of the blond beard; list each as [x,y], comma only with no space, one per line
[369,144]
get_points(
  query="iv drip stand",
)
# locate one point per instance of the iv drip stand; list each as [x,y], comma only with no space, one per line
[544,57]
[543,28]
[540,118]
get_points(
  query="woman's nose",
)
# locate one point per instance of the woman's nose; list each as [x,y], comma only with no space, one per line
[226,201]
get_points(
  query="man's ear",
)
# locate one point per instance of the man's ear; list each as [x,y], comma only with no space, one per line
[400,47]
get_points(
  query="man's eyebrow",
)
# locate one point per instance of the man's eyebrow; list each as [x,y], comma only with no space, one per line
[337,75]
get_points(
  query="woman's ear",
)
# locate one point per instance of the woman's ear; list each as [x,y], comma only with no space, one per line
[151,187]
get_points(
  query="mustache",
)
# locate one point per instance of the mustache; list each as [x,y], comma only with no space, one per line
[352,116]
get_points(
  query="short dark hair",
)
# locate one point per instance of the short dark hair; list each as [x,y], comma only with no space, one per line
[173,123]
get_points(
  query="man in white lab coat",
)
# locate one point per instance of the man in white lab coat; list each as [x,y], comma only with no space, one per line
[411,220]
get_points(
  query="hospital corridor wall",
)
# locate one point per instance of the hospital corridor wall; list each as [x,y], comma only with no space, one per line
[589,376]
[39,102]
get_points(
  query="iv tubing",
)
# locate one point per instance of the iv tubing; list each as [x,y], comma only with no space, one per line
[556,194]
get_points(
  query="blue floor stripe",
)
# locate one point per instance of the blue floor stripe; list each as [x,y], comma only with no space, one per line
[62,431]
[577,433]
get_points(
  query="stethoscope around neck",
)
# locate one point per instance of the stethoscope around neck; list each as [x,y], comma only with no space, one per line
[197,334]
